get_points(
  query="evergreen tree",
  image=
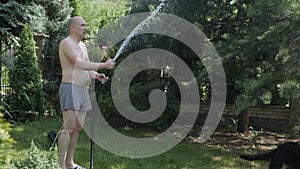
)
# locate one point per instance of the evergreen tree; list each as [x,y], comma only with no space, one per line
[26,77]
[58,11]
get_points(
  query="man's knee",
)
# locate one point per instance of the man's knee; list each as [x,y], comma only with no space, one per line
[69,130]
[79,128]
[72,130]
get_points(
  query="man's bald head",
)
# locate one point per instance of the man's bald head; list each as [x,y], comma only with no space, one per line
[74,21]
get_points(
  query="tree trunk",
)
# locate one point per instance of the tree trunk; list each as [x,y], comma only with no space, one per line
[243,122]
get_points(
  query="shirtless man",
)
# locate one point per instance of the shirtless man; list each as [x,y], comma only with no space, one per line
[77,71]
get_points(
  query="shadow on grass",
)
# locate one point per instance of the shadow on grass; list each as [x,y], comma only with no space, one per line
[36,131]
[186,155]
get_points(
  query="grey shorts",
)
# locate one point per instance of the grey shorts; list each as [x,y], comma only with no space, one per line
[74,97]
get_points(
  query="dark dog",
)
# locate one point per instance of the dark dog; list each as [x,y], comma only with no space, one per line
[285,155]
[52,137]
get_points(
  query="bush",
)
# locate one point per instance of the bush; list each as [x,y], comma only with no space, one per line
[6,141]
[37,159]
[139,98]
[26,77]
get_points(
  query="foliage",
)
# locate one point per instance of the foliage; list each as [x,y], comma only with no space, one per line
[254,133]
[138,6]
[42,17]
[14,14]
[75,11]
[270,57]
[37,159]
[26,77]
[97,14]
[58,11]
[258,42]
[232,125]
[251,37]
[139,94]
[6,141]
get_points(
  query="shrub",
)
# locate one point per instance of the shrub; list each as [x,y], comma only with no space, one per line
[37,159]
[6,141]
[26,77]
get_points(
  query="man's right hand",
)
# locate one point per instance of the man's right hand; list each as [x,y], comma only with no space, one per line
[110,64]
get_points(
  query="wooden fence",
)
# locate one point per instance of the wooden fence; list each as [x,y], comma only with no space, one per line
[274,118]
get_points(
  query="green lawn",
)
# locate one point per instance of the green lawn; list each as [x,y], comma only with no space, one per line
[186,155]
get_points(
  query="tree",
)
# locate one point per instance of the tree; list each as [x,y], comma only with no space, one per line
[58,12]
[14,14]
[26,77]
[263,56]
[73,4]
[254,40]
[98,14]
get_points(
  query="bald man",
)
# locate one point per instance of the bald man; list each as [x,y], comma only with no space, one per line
[77,71]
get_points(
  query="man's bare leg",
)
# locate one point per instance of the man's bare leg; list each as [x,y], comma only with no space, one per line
[74,138]
[63,142]
[73,122]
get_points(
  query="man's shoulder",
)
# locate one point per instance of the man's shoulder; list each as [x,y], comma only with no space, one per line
[82,44]
[64,42]
[66,39]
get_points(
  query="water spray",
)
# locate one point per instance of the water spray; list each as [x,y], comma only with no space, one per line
[141,26]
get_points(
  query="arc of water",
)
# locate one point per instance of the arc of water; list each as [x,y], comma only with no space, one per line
[138,28]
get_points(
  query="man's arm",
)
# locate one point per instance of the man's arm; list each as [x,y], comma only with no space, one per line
[74,55]
[95,75]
